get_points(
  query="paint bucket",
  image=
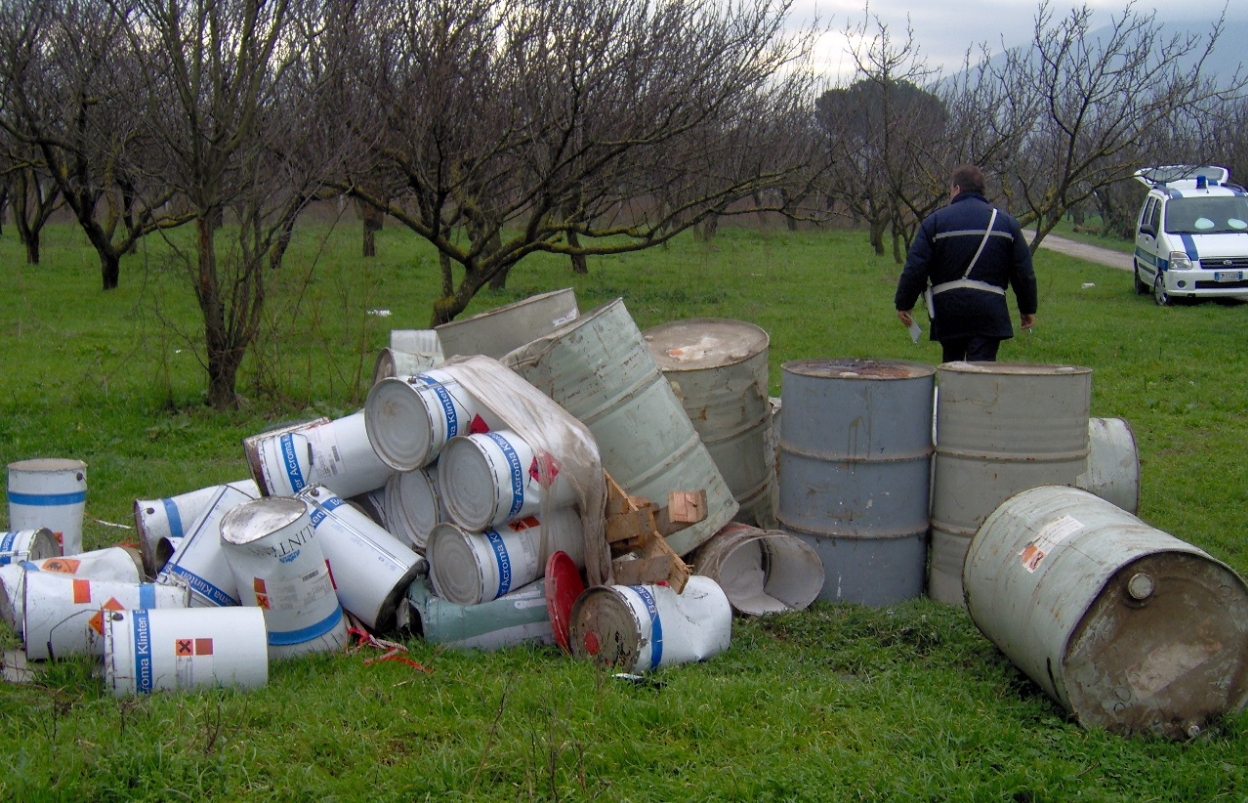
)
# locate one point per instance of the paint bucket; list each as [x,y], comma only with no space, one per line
[599,369]
[415,504]
[410,419]
[495,332]
[116,564]
[391,363]
[64,615]
[641,628]
[520,617]
[26,545]
[336,454]
[370,569]
[469,568]
[496,477]
[158,519]
[179,650]
[373,505]
[1004,428]
[49,492]
[1112,470]
[279,566]
[416,341]
[718,370]
[198,561]
[761,571]
[1127,627]
[855,461]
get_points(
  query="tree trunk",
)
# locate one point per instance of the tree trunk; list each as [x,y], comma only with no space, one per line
[110,269]
[32,247]
[878,225]
[370,242]
[222,377]
[579,265]
[223,359]
[499,282]
[374,220]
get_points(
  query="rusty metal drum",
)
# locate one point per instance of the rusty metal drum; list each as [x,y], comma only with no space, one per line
[855,456]
[495,332]
[717,367]
[1129,628]
[1001,428]
[1112,470]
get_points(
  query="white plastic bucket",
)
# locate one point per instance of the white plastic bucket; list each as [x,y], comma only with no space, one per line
[169,518]
[761,571]
[197,560]
[64,615]
[497,477]
[641,628]
[415,505]
[337,455]
[520,617]
[178,650]
[279,566]
[115,564]
[25,545]
[370,568]
[469,568]
[410,419]
[49,492]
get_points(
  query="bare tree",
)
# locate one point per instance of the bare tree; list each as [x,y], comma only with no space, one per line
[35,198]
[574,127]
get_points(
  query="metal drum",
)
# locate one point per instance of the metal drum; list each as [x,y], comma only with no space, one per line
[599,369]
[1129,628]
[495,332]
[1112,471]
[855,456]
[718,369]
[1002,428]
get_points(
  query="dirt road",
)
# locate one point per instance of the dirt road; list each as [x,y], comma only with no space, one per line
[1091,253]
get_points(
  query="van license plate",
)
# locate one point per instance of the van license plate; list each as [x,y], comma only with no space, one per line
[1228,275]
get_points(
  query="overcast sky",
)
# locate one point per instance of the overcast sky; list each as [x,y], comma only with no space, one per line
[945,30]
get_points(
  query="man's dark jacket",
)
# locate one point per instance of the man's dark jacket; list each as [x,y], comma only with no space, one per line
[943,248]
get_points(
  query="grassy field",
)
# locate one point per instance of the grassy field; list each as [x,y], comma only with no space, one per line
[836,703]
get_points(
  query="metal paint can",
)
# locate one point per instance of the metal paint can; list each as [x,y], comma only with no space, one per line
[468,567]
[495,332]
[855,461]
[180,650]
[761,571]
[198,561]
[641,628]
[116,564]
[252,443]
[717,368]
[496,477]
[410,419]
[64,615]
[279,567]
[26,545]
[156,520]
[415,341]
[415,505]
[1112,470]
[49,492]
[1004,428]
[370,568]
[337,455]
[599,369]
[520,617]
[392,363]
[1127,627]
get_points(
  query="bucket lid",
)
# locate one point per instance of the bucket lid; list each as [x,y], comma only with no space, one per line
[257,518]
[563,586]
[605,628]
[453,565]
[467,481]
[700,343]
[1012,368]
[853,368]
[398,423]
[48,464]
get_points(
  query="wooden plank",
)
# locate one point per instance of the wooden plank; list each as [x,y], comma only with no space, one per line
[686,507]
[641,570]
[633,524]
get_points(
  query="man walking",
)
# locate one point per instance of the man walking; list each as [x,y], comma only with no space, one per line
[970,252]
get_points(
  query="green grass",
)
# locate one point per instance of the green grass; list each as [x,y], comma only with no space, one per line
[836,703]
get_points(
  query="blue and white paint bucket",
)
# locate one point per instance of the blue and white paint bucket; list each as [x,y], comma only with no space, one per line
[171,518]
[49,492]
[179,650]
[197,560]
[336,454]
[64,615]
[410,419]
[641,628]
[469,568]
[497,477]
[279,567]
[26,545]
[414,505]
[370,567]
[115,564]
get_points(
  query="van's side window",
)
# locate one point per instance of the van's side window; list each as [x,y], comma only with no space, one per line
[1148,211]
[1155,220]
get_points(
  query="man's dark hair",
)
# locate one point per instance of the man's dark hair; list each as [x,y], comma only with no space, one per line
[969,178]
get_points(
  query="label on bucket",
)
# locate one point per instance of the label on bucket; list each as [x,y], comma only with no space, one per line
[656,625]
[503,559]
[1053,534]
[515,470]
[143,675]
[448,404]
[291,462]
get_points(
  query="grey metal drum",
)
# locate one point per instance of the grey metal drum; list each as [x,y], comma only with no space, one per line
[1127,627]
[496,332]
[1001,428]
[855,456]
[717,367]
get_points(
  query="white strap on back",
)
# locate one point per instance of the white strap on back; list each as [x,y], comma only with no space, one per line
[965,282]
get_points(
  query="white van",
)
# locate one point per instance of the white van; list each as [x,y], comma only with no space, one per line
[1191,239]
